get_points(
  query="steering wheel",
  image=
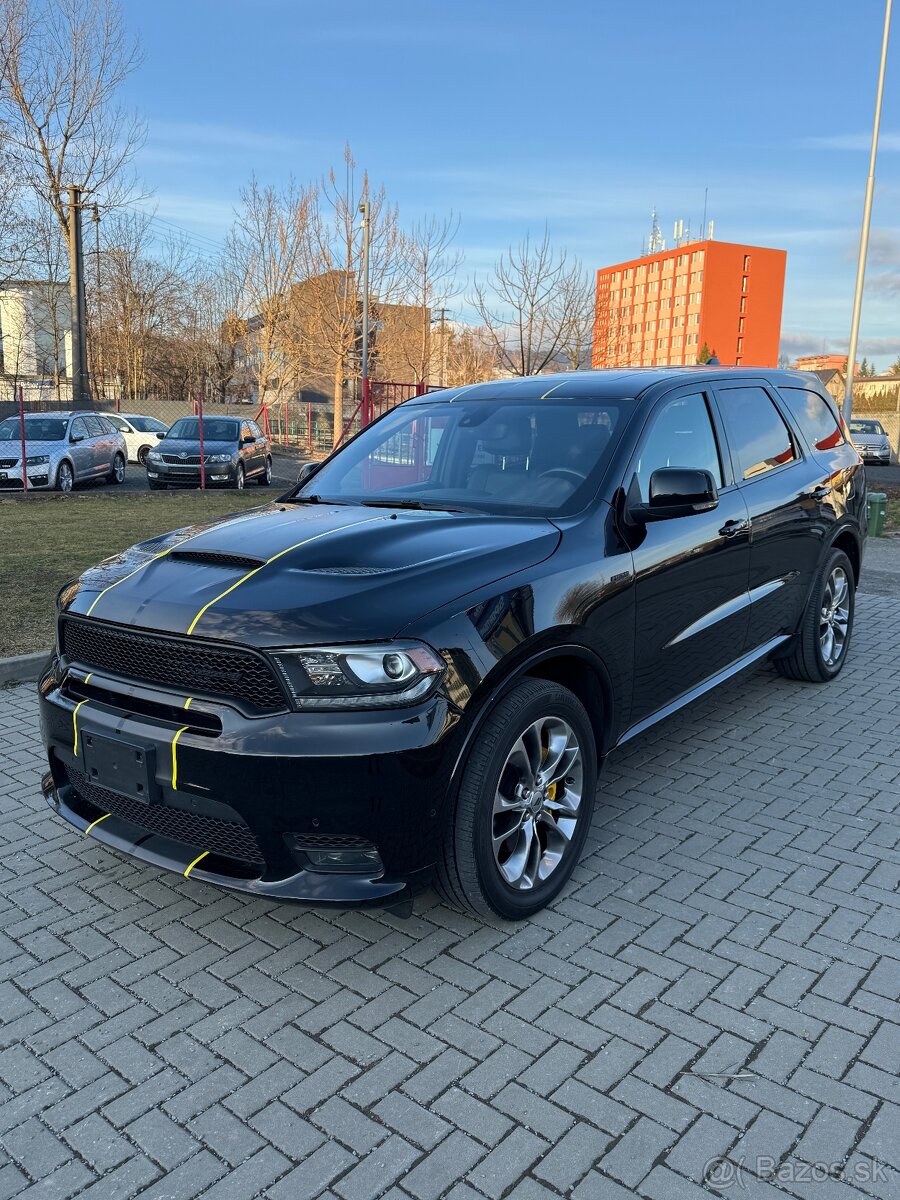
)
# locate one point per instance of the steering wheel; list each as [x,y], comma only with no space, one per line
[562,471]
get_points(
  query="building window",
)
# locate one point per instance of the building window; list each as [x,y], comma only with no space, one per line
[746,262]
[743,304]
[744,284]
[740,325]
[740,346]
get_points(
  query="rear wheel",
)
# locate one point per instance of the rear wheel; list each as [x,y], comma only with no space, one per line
[524,805]
[65,480]
[117,474]
[819,649]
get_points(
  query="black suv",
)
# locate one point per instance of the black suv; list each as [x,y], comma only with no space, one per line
[235,451]
[411,666]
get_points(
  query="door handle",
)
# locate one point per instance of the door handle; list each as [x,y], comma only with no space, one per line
[730,528]
[819,493]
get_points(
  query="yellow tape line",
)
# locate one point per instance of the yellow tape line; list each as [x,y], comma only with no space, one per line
[280,554]
[87,678]
[75,725]
[188,870]
[174,759]
[97,822]
[187,703]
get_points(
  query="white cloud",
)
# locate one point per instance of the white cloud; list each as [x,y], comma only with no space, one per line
[888,142]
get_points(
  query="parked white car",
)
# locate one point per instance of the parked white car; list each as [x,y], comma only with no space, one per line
[870,440]
[140,433]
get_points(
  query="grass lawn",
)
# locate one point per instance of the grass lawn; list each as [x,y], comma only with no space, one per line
[46,540]
[892,521]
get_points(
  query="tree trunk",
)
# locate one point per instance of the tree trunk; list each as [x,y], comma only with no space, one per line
[338,400]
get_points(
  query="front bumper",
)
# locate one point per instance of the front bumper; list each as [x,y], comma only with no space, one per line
[217,475]
[870,455]
[250,792]
[11,478]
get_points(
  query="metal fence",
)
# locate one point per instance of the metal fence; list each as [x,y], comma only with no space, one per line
[60,449]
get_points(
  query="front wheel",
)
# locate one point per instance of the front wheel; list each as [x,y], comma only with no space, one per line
[819,649]
[524,804]
[266,478]
[65,480]
[142,455]
[239,478]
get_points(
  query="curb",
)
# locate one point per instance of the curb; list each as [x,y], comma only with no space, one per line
[23,668]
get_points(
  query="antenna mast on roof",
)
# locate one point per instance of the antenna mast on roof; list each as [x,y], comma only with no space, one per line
[656,242]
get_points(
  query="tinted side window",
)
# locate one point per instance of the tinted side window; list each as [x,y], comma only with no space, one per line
[814,416]
[94,427]
[246,431]
[758,435]
[79,429]
[681,435]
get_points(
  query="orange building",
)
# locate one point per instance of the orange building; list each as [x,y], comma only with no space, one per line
[823,362]
[659,310]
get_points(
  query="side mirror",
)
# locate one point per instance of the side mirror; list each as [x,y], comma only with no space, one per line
[306,470]
[76,437]
[248,441]
[160,436]
[677,492]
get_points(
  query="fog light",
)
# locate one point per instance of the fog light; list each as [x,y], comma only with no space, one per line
[336,855]
[153,474]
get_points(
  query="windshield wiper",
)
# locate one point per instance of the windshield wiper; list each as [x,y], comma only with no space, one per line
[410,503]
[313,498]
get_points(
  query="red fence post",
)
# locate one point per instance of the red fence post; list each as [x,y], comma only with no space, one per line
[22,437]
[200,423]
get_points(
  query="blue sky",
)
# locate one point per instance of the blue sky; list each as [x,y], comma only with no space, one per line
[581,115]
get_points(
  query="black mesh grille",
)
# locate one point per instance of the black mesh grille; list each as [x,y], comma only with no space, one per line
[336,841]
[178,460]
[179,662]
[6,463]
[216,558]
[230,838]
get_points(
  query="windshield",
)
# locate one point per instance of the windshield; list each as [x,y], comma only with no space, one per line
[215,429]
[151,425]
[866,427]
[37,429]
[519,457]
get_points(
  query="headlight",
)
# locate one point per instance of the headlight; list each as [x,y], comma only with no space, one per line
[360,676]
[39,460]
[219,457]
[154,456]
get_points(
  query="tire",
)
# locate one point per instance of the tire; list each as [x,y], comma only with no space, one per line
[808,656]
[65,477]
[473,876]
[142,455]
[239,478]
[117,474]
[265,480]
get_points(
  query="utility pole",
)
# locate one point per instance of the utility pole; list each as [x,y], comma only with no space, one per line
[443,323]
[366,406]
[81,392]
[95,217]
[866,221]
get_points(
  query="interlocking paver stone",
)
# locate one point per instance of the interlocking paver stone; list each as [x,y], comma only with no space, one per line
[734,915]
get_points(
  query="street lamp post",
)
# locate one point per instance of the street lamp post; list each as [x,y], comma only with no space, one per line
[366,404]
[866,221]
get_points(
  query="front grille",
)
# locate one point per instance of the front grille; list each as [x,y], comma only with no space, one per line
[6,463]
[334,841]
[194,667]
[217,558]
[176,460]
[230,838]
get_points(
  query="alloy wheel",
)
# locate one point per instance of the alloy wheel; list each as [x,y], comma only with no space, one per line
[119,468]
[834,620]
[64,479]
[537,803]
[239,479]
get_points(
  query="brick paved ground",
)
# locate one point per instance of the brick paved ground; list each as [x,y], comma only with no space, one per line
[720,982]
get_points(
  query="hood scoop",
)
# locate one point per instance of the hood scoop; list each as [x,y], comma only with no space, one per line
[218,558]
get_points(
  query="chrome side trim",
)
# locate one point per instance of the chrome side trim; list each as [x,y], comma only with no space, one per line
[728,609]
[740,664]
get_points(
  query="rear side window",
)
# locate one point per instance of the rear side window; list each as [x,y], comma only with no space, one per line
[94,426]
[814,416]
[760,440]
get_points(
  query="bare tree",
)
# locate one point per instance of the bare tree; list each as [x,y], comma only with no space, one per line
[530,305]
[265,256]
[330,300]
[429,280]
[63,63]
[470,355]
[49,256]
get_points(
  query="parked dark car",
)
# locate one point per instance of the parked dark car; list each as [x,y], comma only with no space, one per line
[61,450]
[235,451]
[410,667]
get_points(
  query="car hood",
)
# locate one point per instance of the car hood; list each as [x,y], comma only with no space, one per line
[290,574]
[192,446]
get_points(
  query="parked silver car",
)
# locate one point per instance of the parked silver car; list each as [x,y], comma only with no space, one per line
[61,449]
[870,439]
